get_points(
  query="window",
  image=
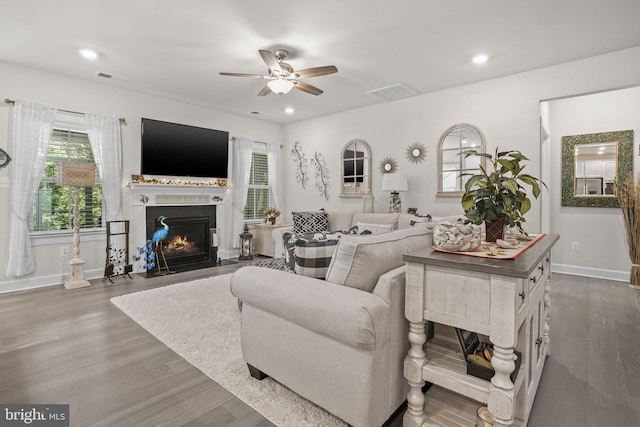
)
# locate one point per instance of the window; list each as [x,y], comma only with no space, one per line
[53,204]
[356,169]
[259,192]
[453,165]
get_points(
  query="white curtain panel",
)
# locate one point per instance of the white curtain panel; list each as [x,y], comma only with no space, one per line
[106,144]
[273,162]
[31,131]
[242,151]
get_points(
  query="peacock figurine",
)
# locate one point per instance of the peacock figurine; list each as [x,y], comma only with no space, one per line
[150,249]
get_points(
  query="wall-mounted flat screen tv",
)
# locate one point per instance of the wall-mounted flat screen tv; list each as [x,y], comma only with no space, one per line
[173,149]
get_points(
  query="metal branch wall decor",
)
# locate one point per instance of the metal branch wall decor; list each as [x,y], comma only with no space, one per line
[416,152]
[388,165]
[301,162]
[322,174]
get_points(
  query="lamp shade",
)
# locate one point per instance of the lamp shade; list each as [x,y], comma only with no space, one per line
[76,174]
[394,182]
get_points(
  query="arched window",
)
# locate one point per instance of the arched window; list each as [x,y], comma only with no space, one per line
[451,164]
[356,169]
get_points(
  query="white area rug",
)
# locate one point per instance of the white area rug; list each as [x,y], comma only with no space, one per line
[200,321]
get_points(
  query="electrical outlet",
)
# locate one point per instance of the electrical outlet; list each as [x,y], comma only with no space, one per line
[575,246]
[64,251]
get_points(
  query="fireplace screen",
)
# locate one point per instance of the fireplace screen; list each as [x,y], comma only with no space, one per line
[189,238]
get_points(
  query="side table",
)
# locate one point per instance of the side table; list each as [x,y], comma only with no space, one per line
[263,242]
[507,301]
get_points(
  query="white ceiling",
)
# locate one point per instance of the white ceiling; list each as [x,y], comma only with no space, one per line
[176,49]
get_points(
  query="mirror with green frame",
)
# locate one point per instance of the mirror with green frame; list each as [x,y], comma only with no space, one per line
[591,164]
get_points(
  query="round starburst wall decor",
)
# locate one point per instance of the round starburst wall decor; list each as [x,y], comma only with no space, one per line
[388,165]
[416,152]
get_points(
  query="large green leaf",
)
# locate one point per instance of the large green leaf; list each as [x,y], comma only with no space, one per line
[511,185]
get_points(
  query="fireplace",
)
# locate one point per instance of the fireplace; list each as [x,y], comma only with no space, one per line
[189,242]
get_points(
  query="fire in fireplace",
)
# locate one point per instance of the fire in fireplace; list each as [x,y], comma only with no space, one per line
[188,245]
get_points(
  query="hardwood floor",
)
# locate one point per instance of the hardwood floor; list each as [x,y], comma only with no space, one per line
[75,347]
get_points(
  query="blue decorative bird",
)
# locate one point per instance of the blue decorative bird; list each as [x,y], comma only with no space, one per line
[147,252]
[160,234]
[157,239]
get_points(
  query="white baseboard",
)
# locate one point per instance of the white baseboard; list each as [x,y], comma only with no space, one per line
[620,276]
[22,284]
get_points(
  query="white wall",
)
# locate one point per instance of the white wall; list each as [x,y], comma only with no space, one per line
[113,98]
[507,110]
[600,231]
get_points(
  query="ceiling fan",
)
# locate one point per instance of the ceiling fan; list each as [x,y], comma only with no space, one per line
[281,76]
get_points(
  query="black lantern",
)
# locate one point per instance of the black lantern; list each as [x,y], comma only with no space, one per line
[246,244]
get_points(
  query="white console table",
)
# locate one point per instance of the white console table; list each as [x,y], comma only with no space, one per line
[506,300]
[263,242]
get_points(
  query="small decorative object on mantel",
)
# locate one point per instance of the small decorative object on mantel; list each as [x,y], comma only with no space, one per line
[140,179]
[4,158]
[246,244]
[388,165]
[270,215]
[628,194]
[496,196]
[416,153]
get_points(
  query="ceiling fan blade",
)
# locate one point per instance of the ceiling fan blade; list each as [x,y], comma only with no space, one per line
[316,71]
[270,59]
[265,91]
[258,76]
[306,87]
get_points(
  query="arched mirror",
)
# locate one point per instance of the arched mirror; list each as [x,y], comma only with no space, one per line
[451,165]
[591,164]
[356,169]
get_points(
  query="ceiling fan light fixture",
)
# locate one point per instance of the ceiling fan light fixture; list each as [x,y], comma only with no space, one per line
[280,86]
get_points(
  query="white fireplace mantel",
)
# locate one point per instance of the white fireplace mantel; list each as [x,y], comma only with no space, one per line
[143,195]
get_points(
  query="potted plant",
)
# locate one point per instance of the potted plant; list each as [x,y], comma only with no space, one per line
[496,196]
[271,214]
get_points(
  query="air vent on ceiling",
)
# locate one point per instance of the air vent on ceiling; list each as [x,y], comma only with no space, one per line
[110,76]
[393,92]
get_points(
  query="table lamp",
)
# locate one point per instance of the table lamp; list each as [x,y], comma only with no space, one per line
[395,183]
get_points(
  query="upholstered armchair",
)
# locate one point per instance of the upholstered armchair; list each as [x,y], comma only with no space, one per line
[339,342]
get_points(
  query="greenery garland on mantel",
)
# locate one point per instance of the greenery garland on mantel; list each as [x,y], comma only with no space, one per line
[218,182]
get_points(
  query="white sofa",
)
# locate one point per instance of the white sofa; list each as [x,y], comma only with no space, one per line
[340,342]
[343,220]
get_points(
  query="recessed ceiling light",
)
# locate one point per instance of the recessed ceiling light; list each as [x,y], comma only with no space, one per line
[480,58]
[88,53]
[289,110]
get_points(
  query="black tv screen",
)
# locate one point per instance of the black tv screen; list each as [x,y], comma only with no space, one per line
[174,149]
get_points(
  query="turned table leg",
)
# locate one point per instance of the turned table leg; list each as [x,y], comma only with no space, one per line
[501,392]
[413,363]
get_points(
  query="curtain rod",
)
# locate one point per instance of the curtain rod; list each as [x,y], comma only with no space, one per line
[11,101]
[233,138]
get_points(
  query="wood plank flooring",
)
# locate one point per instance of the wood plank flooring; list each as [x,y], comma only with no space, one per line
[75,347]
